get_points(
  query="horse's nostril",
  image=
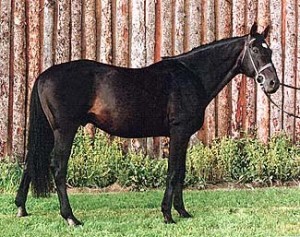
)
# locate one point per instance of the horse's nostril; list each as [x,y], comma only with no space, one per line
[272,83]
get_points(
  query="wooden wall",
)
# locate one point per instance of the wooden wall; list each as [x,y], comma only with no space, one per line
[35,34]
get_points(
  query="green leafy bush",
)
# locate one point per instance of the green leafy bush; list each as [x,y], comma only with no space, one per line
[10,174]
[100,162]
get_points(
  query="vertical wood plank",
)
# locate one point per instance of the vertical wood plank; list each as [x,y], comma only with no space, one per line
[76,29]
[157,141]
[120,26]
[193,35]
[250,92]
[62,42]
[179,26]
[33,51]
[194,23]
[137,36]
[104,53]
[121,43]
[297,109]
[89,29]
[262,102]
[289,19]
[276,46]
[223,30]
[167,27]
[33,42]
[150,30]
[5,34]
[47,21]
[238,85]
[208,35]
[89,41]
[152,143]
[137,51]
[18,80]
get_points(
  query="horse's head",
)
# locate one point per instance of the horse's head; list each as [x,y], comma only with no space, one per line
[256,61]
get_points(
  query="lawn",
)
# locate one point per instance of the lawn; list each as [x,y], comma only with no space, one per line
[258,212]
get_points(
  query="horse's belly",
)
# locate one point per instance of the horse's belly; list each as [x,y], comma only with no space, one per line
[129,123]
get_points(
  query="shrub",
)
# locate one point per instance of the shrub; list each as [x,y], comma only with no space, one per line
[10,174]
[94,162]
[100,162]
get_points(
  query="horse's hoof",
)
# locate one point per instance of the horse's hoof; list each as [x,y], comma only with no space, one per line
[22,212]
[169,220]
[74,222]
[185,214]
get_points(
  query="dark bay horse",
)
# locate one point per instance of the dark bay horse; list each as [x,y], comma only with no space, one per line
[167,98]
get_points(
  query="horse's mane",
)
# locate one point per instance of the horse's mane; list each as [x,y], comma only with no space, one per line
[204,47]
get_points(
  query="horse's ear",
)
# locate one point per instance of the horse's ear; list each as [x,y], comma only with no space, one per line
[266,32]
[253,30]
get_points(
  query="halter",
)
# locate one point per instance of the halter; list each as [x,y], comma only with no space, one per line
[259,77]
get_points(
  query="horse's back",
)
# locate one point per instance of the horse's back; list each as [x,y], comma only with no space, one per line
[131,102]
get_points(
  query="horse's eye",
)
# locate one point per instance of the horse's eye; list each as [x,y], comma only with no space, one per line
[255,50]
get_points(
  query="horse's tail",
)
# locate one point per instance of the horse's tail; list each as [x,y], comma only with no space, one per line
[40,145]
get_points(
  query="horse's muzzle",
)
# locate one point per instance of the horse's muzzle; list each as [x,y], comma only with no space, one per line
[271,86]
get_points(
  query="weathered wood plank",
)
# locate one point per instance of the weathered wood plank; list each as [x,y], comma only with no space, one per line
[276,46]
[167,27]
[152,143]
[238,84]
[104,52]
[208,35]
[193,34]
[33,42]
[250,92]
[290,40]
[33,50]
[47,35]
[89,41]
[297,109]
[223,30]
[89,29]
[62,36]
[194,23]
[17,108]
[179,26]
[137,51]
[262,102]
[76,29]
[137,35]
[5,35]
[150,30]
[121,42]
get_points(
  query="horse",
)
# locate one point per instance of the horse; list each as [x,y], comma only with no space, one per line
[167,98]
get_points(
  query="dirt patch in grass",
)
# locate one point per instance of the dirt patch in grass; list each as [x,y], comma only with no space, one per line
[114,188]
[117,188]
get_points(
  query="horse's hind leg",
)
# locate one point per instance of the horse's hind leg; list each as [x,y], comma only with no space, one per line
[63,139]
[22,194]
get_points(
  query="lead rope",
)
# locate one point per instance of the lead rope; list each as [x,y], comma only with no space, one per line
[277,106]
[288,86]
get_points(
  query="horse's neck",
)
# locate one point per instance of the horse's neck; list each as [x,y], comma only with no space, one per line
[216,65]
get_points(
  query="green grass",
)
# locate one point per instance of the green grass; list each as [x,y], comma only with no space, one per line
[259,212]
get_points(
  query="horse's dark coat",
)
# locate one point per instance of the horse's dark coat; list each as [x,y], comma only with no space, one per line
[167,98]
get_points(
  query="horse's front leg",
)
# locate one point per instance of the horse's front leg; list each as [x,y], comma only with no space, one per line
[178,146]
[178,196]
